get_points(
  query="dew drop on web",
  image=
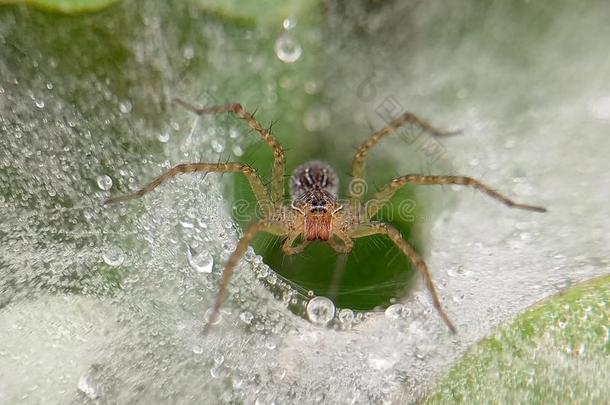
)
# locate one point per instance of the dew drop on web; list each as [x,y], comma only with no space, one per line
[200,261]
[104,182]
[320,310]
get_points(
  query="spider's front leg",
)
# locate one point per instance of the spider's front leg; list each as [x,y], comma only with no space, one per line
[279,162]
[368,229]
[288,247]
[358,163]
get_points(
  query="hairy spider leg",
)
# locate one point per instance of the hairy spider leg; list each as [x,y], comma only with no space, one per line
[272,227]
[255,182]
[279,161]
[383,196]
[340,266]
[358,164]
[287,247]
[368,229]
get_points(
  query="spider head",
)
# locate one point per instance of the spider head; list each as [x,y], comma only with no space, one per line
[314,187]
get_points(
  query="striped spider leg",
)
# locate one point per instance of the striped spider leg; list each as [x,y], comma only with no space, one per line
[276,220]
[361,225]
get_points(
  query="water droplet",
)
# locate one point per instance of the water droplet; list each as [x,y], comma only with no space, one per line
[114,256]
[311,87]
[198,349]
[49,86]
[317,118]
[104,182]
[215,372]
[246,317]
[163,137]
[201,262]
[237,150]
[39,103]
[458,271]
[208,317]
[346,316]
[217,146]
[87,387]
[394,311]
[287,49]
[289,23]
[379,363]
[188,52]
[320,310]
[125,107]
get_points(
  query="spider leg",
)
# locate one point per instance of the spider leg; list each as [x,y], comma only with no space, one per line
[258,188]
[383,196]
[343,249]
[279,163]
[407,249]
[287,247]
[358,163]
[345,246]
[275,228]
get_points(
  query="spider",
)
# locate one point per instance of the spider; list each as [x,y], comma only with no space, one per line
[315,212]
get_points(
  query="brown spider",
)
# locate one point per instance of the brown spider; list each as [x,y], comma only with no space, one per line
[315,212]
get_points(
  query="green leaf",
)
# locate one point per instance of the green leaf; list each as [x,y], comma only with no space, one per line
[64,6]
[556,352]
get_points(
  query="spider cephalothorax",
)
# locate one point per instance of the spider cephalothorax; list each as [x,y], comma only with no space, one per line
[314,188]
[315,212]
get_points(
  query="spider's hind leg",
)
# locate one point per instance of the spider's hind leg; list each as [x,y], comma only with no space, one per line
[407,249]
[271,227]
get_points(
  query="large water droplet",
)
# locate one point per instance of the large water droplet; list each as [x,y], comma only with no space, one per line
[39,103]
[320,310]
[104,182]
[287,49]
[201,262]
